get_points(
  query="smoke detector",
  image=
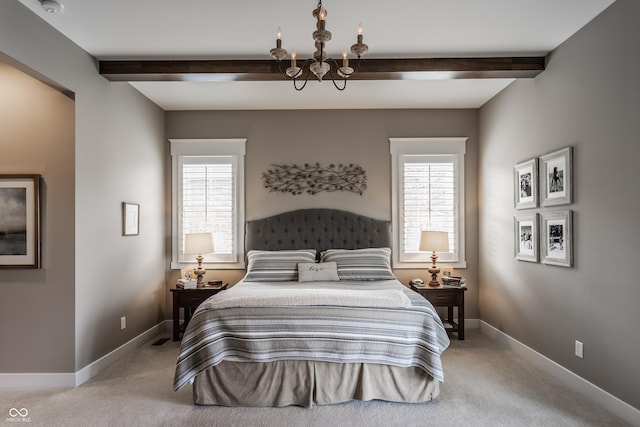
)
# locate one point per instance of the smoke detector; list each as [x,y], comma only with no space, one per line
[52,6]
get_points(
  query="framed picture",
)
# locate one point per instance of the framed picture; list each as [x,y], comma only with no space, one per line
[526,184]
[19,221]
[555,177]
[526,237]
[130,219]
[557,239]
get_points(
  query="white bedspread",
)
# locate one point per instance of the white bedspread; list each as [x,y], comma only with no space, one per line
[257,294]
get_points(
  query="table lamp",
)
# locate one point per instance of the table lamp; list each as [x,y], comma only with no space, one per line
[434,241]
[198,243]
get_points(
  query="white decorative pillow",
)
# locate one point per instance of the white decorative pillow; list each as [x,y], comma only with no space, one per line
[361,264]
[318,272]
[276,266]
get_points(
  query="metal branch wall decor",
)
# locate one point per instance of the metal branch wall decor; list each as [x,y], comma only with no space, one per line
[312,179]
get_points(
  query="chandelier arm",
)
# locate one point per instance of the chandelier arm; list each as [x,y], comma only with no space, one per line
[306,79]
[334,81]
[282,73]
[355,70]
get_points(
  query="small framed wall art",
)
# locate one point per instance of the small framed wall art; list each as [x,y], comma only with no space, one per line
[525,176]
[19,221]
[556,177]
[557,238]
[526,237]
[130,219]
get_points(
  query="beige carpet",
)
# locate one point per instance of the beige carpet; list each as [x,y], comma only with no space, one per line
[485,385]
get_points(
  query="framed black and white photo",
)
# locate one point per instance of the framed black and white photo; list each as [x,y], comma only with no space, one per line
[557,238]
[556,177]
[526,184]
[526,237]
[19,221]
[130,219]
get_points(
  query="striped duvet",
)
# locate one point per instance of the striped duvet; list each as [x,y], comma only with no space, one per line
[405,337]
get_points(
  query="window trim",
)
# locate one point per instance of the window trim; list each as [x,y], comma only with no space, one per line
[235,147]
[401,147]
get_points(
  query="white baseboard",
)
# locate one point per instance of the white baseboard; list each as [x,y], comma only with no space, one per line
[70,380]
[91,370]
[570,379]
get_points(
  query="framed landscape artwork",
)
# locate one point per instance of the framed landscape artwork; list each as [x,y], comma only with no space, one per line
[19,221]
[556,177]
[526,184]
[526,237]
[557,238]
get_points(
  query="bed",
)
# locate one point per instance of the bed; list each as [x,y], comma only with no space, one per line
[318,319]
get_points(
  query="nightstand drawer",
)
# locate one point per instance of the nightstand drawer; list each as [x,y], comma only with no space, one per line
[439,297]
[191,300]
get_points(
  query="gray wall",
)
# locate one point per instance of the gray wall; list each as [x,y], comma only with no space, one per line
[589,98]
[119,148]
[335,136]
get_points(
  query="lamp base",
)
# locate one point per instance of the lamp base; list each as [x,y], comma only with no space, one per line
[434,283]
[200,274]
[199,271]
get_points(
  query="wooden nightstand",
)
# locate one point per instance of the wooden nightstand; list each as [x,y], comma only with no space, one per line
[189,300]
[450,297]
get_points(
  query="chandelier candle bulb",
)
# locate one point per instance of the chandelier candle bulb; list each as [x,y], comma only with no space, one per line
[278,52]
[345,59]
[293,58]
[360,37]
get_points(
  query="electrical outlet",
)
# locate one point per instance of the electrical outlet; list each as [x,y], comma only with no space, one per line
[123,323]
[579,349]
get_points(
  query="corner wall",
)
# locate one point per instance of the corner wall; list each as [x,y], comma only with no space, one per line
[588,98]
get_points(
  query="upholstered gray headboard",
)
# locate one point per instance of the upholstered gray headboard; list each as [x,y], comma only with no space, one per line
[318,229]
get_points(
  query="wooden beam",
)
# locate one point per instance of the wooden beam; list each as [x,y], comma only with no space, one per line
[370,69]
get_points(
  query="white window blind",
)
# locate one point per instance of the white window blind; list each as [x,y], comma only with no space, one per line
[428,194]
[207,200]
[428,199]
[208,196]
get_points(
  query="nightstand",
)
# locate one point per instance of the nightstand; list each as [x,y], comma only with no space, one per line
[189,300]
[450,297]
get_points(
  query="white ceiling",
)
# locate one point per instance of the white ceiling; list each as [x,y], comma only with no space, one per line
[245,29]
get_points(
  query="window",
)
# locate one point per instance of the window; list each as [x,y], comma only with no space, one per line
[428,194]
[208,196]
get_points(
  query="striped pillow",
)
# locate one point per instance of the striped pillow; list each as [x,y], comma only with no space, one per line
[361,264]
[276,266]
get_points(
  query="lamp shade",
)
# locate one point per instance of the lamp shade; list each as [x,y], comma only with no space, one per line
[437,241]
[198,243]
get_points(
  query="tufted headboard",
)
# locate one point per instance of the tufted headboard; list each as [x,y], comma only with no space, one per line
[318,229]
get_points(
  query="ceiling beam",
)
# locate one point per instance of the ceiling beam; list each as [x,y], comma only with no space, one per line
[370,69]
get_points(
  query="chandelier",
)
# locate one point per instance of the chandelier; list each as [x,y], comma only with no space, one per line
[319,65]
